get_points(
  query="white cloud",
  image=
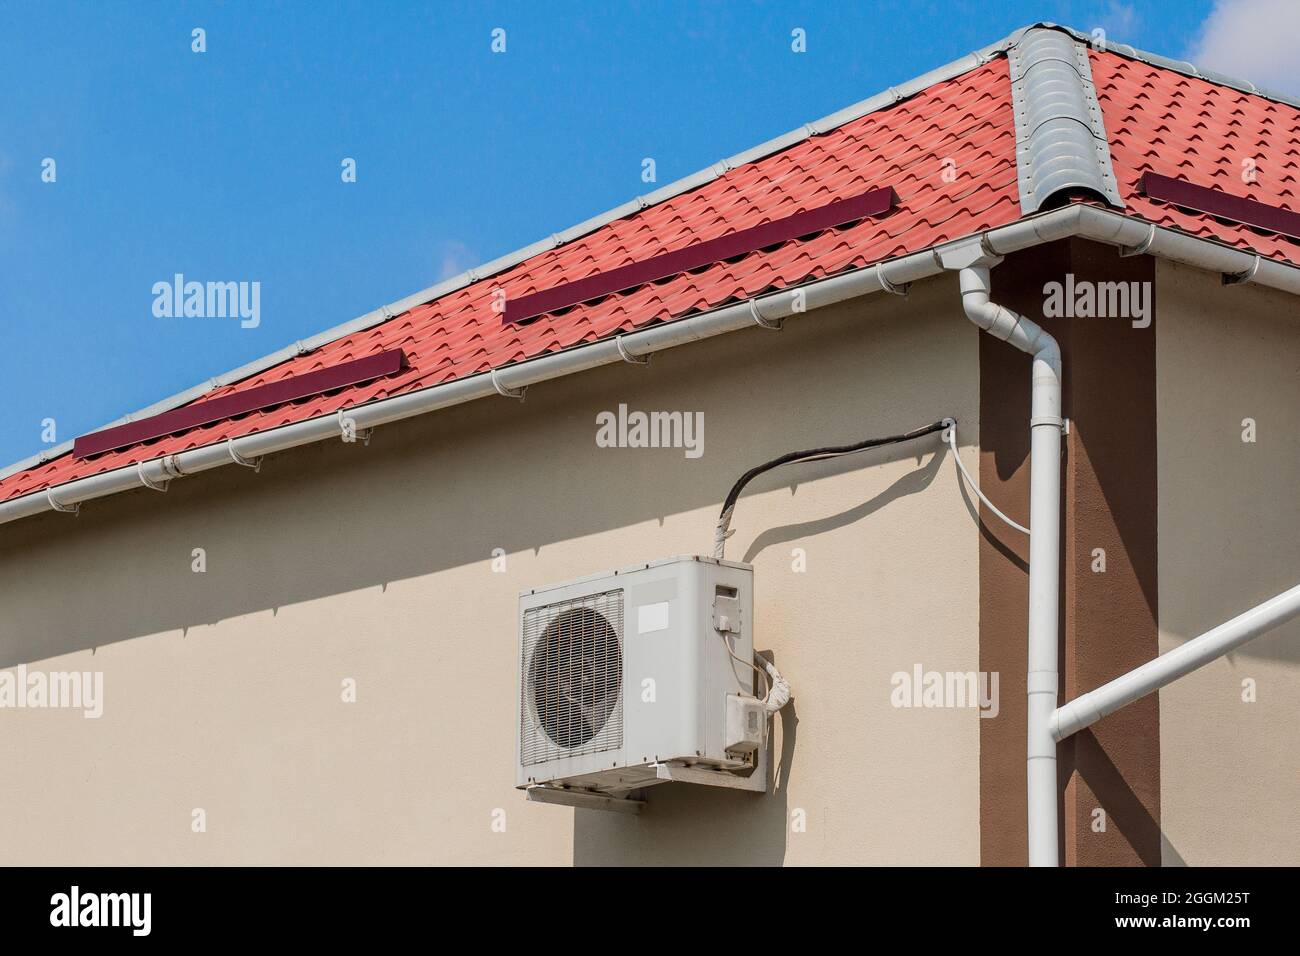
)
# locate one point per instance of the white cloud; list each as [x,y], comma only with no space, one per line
[453,259]
[1120,21]
[1256,40]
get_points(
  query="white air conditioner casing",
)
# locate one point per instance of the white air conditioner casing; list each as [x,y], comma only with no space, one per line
[624,678]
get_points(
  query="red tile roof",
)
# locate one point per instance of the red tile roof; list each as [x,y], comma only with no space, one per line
[1192,129]
[967,120]
[1156,119]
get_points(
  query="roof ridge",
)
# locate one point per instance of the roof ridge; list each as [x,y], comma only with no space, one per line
[1061,142]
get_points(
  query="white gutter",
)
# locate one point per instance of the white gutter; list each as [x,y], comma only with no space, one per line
[1088,222]
[510,380]
[973,261]
[1087,709]
[880,101]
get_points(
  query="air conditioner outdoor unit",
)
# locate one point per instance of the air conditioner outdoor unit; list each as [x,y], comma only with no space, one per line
[636,678]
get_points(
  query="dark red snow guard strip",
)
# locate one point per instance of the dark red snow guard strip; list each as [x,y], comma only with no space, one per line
[875,202]
[228,406]
[1249,212]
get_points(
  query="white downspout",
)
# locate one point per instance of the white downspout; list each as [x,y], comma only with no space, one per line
[1046,426]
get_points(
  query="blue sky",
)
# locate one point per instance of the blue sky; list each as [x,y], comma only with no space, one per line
[225,165]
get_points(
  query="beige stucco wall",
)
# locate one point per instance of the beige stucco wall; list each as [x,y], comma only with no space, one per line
[1229,536]
[374,563]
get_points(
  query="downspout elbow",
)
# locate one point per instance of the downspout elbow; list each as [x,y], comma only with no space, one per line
[1046,350]
[1000,322]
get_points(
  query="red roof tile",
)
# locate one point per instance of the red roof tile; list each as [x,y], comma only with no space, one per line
[1156,119]
[967,120]
[1192,129]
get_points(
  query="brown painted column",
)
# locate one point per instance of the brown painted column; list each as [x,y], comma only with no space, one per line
[1109,617]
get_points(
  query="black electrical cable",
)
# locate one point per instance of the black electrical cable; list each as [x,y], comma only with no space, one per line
[818,454]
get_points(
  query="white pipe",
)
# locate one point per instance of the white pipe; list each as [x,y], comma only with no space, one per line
[1044,544]
[1088,708]
[949,436]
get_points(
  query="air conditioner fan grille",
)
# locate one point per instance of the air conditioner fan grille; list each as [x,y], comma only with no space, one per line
[572,691]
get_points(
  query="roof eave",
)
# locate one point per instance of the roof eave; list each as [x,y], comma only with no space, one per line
[1133,236]
[883,100]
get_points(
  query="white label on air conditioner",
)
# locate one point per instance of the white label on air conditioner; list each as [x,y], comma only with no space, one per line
[652,617]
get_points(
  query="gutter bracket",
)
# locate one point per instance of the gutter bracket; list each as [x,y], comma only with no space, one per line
[1241,278]
[625,355]
[344,429]
[506,391]
[1141,248]
[773,324]
[888,286]
[71,509]
[238,459]
[145,480]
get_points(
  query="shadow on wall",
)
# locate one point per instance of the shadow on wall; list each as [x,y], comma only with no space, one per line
[442,491]
[689,825]
[912,483]
[1124,808]
[379,559]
